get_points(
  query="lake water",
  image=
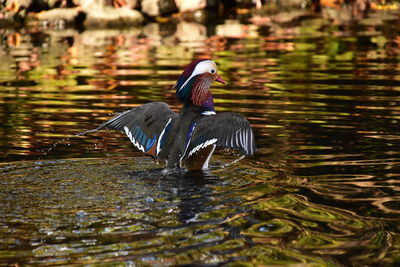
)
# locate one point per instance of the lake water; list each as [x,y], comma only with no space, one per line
[323,189]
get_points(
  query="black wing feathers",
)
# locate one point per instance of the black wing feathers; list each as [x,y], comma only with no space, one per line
[150,116]
[143,125]
[230,130]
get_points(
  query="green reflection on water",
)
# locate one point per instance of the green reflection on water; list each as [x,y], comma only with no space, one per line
[274,227]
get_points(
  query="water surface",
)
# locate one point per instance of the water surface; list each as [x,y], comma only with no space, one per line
[322,95]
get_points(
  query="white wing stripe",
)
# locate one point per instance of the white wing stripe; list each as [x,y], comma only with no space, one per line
[161,136]
[241,138]
[134,142]
[202,145]
[208,112]
[246,138]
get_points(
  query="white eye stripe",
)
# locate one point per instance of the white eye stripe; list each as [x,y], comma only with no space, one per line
[202,67]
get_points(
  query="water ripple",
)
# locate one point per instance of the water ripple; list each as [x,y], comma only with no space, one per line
[322,188]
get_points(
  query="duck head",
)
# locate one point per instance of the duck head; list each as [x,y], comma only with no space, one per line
[192,87]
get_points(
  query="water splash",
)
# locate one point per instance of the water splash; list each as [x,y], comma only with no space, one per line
[65,141]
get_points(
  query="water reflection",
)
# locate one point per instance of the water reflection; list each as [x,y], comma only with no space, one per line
[106,210]
[322,97]
[193,189]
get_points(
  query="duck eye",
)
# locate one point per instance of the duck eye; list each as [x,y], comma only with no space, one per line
[212,71]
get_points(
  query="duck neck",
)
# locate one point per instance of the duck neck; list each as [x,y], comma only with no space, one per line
[208,103]
[206,106]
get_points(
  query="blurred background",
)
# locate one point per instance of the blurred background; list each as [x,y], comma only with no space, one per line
[318,80]
[69,65]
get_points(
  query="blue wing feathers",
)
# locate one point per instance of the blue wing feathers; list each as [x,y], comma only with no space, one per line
[189,134]
[164,138]
[142,138]
[150,142]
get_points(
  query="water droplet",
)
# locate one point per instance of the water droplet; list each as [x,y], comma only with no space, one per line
[263,229]
[148,258]
[49,232]
[149,200]
[81,213]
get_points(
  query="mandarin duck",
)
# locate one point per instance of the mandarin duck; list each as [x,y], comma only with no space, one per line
[186,139]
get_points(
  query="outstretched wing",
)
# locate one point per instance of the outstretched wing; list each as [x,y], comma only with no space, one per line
[147,126]
[230,130]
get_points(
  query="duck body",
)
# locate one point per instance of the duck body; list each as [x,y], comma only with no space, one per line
[186,139]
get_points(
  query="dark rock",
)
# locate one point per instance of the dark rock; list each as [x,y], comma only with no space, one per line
[155,8]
